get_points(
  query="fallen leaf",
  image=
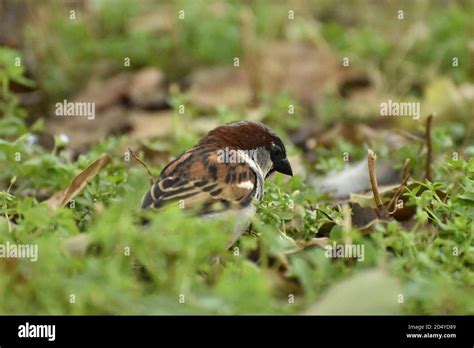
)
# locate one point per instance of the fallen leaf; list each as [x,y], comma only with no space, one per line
[105,93]
[61,198]
[367,199]
[148,89]
[303,71]
[213,87]
[150,124]
[82,131]
[355,178]
[363,217]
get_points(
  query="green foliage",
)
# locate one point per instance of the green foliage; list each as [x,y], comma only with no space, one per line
[214,40]
[11,71]
[433,39]
[84,43]
[178,264]
[449,33]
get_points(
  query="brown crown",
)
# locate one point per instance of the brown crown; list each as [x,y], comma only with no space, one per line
[243,135]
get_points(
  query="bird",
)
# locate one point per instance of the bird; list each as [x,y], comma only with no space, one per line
[223,175]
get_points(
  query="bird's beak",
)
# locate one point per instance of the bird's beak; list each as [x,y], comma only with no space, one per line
[283,167]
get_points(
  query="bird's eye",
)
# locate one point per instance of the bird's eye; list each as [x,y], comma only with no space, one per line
[277,152]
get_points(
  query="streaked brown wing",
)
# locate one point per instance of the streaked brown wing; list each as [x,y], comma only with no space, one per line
[197,180]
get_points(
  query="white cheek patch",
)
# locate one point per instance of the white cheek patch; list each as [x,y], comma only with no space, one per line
[248,185]
[251,163]
[260,177]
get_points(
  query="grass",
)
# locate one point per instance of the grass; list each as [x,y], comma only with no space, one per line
[166,266]
[433,258]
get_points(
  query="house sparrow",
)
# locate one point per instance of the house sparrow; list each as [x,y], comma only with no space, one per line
[222,174]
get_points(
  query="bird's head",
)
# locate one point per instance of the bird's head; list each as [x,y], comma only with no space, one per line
[256,140]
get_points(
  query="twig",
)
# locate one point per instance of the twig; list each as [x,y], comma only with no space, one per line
[381,211]
[251,52]
[406,168]
[429,156]
[324,213]
[406,175]
[346,213]
[150,175]
[373,178]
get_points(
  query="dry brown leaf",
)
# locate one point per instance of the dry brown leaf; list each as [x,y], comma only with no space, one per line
[150,124]
[148,89]
[61,198]
[212,87]
[105,93]
[363,217]
[82,132]
[367,199]
[304,71]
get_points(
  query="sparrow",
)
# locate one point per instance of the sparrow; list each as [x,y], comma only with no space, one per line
[223,174]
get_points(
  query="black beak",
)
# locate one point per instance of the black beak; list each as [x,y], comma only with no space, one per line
[283,166]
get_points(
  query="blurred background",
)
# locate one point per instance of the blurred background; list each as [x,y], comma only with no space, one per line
[227,60]
[160,74]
